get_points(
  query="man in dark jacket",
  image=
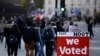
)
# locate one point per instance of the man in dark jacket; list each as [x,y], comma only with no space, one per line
[49,38]
[28,37]
[90,26]
[12,34]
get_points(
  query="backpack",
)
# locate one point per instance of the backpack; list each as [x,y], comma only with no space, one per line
[28,34]
[48,34]
[12,39]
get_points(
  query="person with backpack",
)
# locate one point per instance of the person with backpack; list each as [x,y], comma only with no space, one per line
[11,33]
[29,37]
[49,39]
[39,39]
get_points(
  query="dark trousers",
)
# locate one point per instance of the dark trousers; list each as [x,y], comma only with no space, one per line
[19,43]
[91,33]
[36,49]
[1,36]
[39,49]
[49,48]
[12,49]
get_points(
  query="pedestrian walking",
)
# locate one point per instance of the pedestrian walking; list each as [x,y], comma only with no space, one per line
[49,39]
[40,40]
[11,33]
[90,30]
[29,37]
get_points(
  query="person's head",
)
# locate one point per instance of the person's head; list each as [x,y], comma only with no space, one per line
[3,18]
[15,17]
[48,23]
[11,18]
[58,24]
[71,23]
[75,25]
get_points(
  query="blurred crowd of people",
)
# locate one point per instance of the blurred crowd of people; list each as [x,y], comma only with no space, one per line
[35,34]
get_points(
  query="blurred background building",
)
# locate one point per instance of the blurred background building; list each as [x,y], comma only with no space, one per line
[11,8]
[50,7]
[86,7]
[19,7]
[14,2]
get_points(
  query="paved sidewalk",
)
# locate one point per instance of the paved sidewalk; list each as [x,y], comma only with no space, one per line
[3,50]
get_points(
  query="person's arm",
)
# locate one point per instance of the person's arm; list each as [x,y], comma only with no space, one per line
[53,31]
[43,32]
[40,36]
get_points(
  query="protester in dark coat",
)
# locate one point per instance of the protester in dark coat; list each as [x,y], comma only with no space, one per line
[49,39]
[90,26]
[12,34]
[29,37]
